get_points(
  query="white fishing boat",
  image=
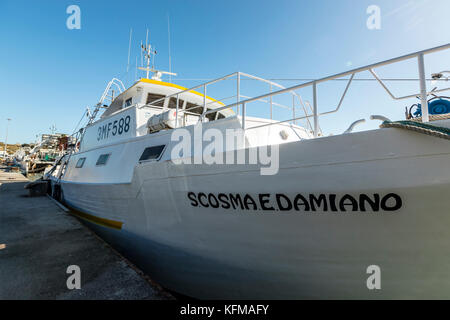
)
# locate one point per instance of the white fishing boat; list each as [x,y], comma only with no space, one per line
[306,224]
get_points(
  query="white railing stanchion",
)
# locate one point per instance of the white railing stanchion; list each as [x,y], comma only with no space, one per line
[293,108]
[423,88]
[243,116]
[204,102]
[271,102]
[238,93]
[176,113]
[316,116]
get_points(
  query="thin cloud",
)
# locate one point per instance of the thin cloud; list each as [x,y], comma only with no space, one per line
[407,9]
[399,9]
[416,21]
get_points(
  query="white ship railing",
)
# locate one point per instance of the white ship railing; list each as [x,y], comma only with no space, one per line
[422,80]
[242,104]
[108,93]
[297,100]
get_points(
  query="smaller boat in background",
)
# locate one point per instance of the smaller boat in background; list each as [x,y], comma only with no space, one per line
[37,158]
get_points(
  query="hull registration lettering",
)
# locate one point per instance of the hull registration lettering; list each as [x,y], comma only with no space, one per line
[298,202]
[113,128]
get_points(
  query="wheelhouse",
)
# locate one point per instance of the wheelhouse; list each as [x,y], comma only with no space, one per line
[154,95]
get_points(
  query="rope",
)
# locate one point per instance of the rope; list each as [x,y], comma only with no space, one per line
[419,127]
[433,117]
[82,117]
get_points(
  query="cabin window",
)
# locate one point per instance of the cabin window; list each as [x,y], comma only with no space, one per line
[128,102]
[152,153]
[173,103]
[153,97]
[211,116]
[102,159]
[80,163]
[194,108]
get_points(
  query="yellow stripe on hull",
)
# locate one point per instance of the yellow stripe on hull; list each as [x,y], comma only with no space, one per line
[97,220]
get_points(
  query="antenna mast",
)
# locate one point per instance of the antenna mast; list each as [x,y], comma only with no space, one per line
[147,52]
[149,55]
[129,49]
[170,61]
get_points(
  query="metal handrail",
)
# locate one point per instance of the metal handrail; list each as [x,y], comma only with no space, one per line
[423,93]
[238,96]
[117,83]
[272,83]
[114,81]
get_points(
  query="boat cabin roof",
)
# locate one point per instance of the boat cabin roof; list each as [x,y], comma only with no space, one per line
[147,91]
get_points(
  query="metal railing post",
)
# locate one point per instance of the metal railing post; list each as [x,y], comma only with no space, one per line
[204,101]
[238,93]
[316,119]
[243,116]
[423,88]
[176,114]
[271,102]
[293,108]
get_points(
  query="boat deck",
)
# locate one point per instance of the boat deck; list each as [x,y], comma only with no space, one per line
[39,240]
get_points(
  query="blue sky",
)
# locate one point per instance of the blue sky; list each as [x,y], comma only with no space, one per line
[50,74]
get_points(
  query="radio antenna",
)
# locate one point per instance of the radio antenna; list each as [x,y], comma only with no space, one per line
[129,50]
[149,52]
[141,55]
[170,58]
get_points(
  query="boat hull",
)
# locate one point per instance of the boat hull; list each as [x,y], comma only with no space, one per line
[370,198]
